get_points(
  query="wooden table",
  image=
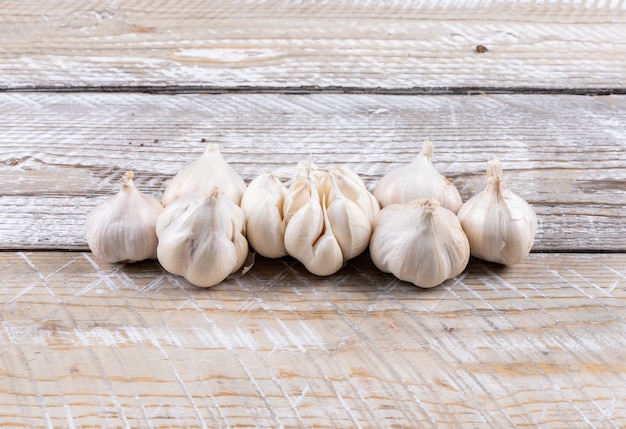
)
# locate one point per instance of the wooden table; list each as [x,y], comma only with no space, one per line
[89,90]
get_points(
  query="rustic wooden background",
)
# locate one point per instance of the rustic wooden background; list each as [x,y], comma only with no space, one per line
[89,90]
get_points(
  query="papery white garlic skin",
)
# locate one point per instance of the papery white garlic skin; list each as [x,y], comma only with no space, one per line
[202,238]
[500,225]
[123,228]
[262,204]
[418,180]
[199,177]
[420,242]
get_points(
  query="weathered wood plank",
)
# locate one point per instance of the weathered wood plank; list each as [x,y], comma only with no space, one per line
[277,44]
[61,154]
[85,343]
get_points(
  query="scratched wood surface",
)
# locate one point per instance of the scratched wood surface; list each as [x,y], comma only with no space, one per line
[425,45]
[88,344]
[70,159]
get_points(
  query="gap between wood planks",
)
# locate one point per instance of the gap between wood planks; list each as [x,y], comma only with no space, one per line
[303,90]
[532,251]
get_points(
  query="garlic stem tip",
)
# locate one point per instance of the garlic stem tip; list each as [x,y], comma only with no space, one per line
[495,175]
[127,178]
[494,167]
[428,148]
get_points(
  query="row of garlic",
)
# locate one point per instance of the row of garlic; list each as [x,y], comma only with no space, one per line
[322,217]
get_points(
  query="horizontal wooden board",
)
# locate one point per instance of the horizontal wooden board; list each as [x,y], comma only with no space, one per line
[62,154]
[361,44]
[85,343]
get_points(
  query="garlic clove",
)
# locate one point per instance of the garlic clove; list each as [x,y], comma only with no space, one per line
[262,204]
[123,228]
[369,204]
[325,257]
[299,194]
[303,222]
[499,225]
[351,226]
[348,182]
[420,242]
[199,177]
[352,186]
[418,180]
[202,238]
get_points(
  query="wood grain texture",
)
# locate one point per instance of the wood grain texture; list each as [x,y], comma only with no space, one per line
[290,44]
[85,343]
[62,154]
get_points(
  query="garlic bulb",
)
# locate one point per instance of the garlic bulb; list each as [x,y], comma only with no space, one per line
[199,177]
[420,242]
[202,238]
[262,203]
[418,180]
[500,225]
[321,217]
[123,228]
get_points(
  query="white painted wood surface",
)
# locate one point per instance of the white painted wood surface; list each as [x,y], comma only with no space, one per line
[84,343]
[566,155]
[426,45]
